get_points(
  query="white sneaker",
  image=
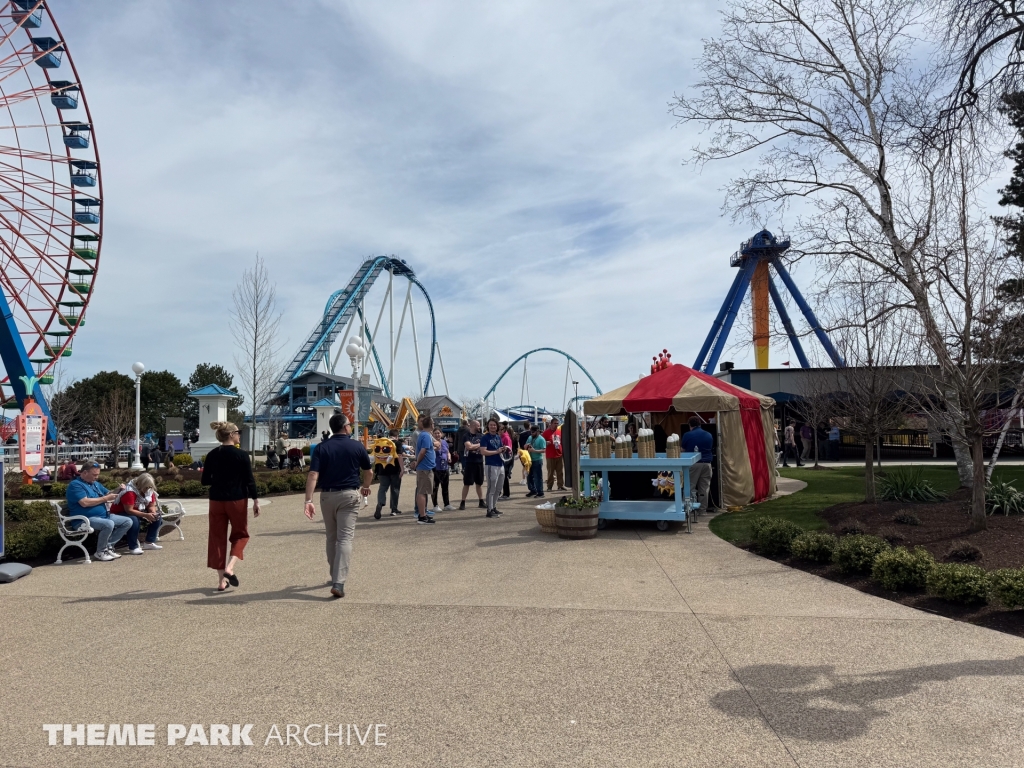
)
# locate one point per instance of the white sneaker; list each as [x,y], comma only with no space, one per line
[151,545]
[110,551]
[104,556]
[448,508]
[136,551]
[436,509]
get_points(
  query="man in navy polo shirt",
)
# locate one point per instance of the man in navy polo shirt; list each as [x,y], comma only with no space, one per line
[342,465]
[698,439]
[86,496]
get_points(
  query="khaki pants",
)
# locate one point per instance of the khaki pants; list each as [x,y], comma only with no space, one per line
[555,469]
[700,483]
[340,509]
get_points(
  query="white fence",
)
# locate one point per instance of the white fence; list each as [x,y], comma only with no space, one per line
[98,451]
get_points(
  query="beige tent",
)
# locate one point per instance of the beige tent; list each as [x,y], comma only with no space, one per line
[746,423]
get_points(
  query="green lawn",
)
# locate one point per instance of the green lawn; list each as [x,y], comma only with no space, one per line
[826,487]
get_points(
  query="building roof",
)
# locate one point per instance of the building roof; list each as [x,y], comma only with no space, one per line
[434,404]
[326,402]
[212,390]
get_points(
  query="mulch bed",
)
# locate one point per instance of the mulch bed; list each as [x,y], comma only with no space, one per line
[942,525]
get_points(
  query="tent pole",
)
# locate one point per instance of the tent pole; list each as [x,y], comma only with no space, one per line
[718,432]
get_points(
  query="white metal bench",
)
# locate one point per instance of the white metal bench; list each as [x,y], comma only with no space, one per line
[172,517]
[73,537]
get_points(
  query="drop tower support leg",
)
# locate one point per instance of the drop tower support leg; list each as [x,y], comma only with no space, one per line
[826,343]
[716,327]
[794,340]
[743,280]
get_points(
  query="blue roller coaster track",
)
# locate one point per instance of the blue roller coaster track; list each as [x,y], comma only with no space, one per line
[566,355]
[343,306]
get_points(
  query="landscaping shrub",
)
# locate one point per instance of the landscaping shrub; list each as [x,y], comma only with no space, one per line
[962,552]
[906,484]
[774,535]
[261,488]
[959,583]
[193,488]
[305,450]
[1007,586]
[857,553]
[33,538]
[815,546]
[278,485]
[893,535]
[900,568]
[32,492]
[851,527]
[1003,497]
[183,459]
[297,482]
[906,518]
[170,489]
[108,481]
[20,511]
[57,490]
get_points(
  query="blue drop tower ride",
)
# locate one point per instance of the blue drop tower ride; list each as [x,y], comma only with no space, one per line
[756,259]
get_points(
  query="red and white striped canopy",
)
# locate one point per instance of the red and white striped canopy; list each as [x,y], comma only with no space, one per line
[746,423]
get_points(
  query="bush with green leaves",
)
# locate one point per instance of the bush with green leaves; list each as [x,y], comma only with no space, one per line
[959,583]
[772,536]
[32,491]
[1007,586]
[33,538]
[297,482]
[899,568]
[815,546]
[261,488]
[907,484]
[1002,497]
[169,489]
[851,527]
[192,488]
[183,459]
[278,485]
[57,490]
[857,553]
[18,511]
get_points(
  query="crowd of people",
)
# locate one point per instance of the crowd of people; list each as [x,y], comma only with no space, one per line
[798,442]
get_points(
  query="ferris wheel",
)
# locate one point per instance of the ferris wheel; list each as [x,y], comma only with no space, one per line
[50,199]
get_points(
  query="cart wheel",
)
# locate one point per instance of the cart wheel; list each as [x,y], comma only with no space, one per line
[662,525]
[601,524]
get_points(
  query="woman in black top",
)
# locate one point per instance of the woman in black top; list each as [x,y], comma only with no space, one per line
[228,472]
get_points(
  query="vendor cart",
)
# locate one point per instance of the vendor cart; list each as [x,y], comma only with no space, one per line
[680,510]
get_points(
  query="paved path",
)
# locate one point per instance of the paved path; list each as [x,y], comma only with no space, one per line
[484,642]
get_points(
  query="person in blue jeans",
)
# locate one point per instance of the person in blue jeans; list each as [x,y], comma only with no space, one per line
[536,446]
[86,496]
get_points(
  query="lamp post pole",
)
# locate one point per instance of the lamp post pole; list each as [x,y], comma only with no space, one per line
[138,368]
[356,353]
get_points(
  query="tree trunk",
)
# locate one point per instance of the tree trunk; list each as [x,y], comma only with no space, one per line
[869,470]
[979,520]
[964,464]
[817,442]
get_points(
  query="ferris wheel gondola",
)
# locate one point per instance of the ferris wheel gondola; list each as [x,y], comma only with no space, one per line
[51,193]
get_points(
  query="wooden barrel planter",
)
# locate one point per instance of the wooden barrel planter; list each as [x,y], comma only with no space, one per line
[573,523]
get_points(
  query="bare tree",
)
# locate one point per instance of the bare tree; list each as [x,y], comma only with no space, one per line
[873,340]
[115,420]
[838,101]
[816,407]
[65,408]
[255,324]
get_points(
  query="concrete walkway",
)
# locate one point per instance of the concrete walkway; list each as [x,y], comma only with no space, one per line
[484,642]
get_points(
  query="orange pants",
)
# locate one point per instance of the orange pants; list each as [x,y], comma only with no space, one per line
[222,513]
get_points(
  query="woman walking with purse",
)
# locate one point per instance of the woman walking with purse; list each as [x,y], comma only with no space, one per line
[228,472]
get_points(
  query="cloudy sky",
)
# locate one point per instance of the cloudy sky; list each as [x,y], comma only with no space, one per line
[520,156]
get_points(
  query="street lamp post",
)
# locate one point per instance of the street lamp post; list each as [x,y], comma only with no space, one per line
[356,352]
[138,368]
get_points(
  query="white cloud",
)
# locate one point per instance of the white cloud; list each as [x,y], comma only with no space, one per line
[520,156]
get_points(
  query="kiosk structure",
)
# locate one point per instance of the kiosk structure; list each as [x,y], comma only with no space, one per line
[663,512]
